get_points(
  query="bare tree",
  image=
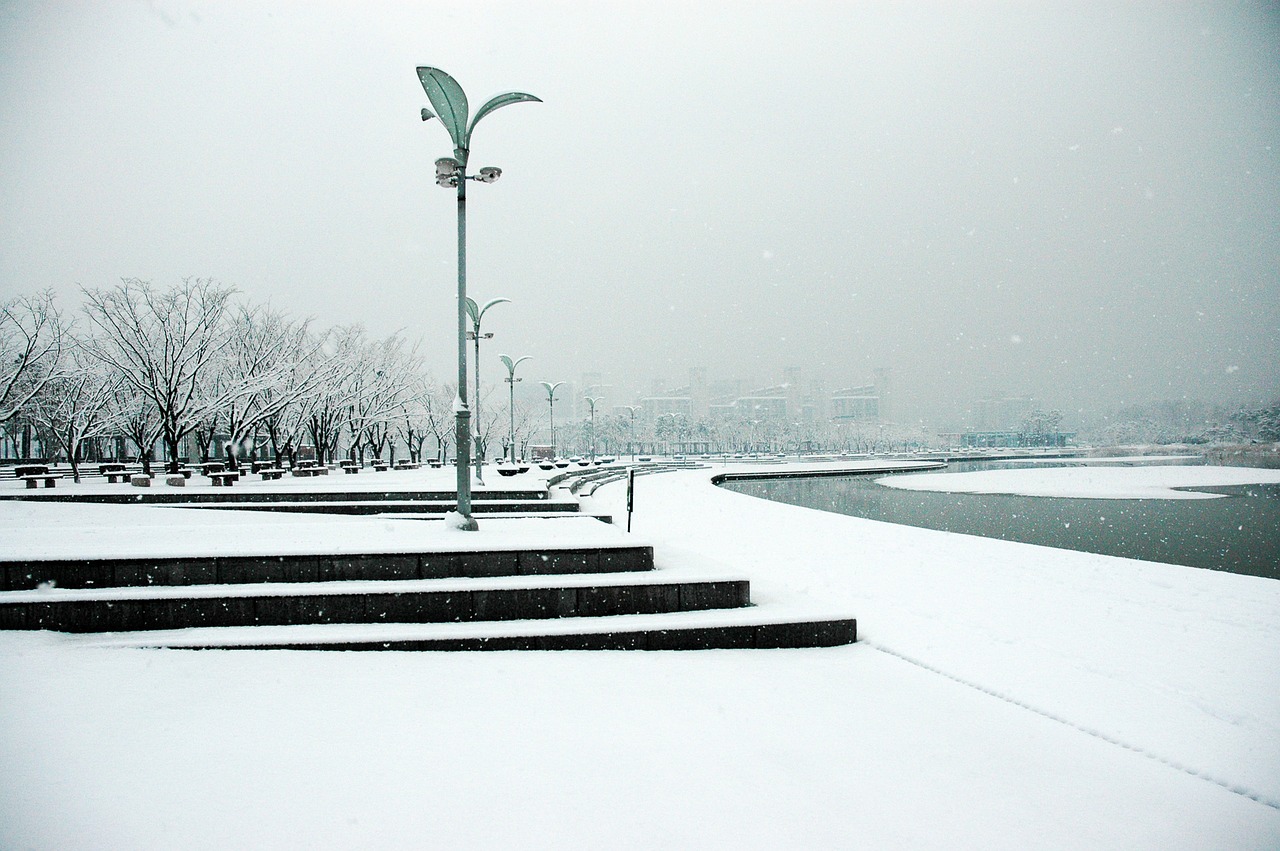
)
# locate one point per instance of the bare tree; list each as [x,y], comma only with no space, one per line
[437,408]
[329,408]
[138,418]
[164,342]
[411,420]
[526,424]
[492,421]
[76,406]
[31,339]
[383,381]
[271,360]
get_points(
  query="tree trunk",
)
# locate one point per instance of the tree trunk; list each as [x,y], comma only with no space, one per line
[171,439]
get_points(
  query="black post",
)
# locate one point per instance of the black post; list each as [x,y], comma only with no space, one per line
[631,494]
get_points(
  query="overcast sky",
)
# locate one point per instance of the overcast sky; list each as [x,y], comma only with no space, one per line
[1077,201]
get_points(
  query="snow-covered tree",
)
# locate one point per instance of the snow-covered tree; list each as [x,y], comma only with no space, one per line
[77,405]
[31,341]
[385,379]
[271,359]
[138,419]
[329,406]
[165,344]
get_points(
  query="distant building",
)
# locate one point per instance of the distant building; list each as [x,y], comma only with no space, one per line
[1001,413]
[856,404]
[886,410]
[1007,439]
[794,400]
[764,406]
[652,407]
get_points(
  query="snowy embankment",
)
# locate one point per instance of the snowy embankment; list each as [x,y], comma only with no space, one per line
[1005,696]
[1158,482]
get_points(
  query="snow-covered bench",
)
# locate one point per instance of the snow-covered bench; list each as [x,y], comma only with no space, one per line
[49,479]
[224,479]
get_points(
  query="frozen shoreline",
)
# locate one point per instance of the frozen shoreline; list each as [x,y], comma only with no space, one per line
[1093,482]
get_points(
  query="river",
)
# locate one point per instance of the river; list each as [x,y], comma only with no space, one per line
[1239,533]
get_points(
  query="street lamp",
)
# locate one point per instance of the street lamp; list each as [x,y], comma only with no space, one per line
[592,400]
[551,400]
[511,404]
[632,410]
[477,313]
[450,104]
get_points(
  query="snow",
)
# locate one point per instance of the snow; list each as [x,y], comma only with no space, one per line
[343,632]
[1156,482]
[1002,696]
[46,531]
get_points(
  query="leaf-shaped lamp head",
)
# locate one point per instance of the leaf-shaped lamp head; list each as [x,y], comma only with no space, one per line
[497,102]
[450,104]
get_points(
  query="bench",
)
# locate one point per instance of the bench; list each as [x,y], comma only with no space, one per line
[435,463]
[110,467]
[208,467]
[270,473]
[24,470]
[305,472]
[113,475]
[380,466]
[224,479]
[49,479]
[349,466]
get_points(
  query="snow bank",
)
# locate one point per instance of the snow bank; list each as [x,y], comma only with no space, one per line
[1156,482]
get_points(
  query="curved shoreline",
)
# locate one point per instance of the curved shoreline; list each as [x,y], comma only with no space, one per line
[905,467]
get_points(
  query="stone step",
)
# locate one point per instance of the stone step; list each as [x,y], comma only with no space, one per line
[247,569]
[188,496]
[546,506]
[410,601]
[742,628]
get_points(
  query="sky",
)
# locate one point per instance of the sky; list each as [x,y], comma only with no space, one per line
[1076,202]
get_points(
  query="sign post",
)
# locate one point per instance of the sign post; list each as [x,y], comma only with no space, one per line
[631,494]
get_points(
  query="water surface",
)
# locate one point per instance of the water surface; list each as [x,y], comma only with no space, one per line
[1239,533]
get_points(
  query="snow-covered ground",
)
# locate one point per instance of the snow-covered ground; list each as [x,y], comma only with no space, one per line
[1003,696]
[40,530]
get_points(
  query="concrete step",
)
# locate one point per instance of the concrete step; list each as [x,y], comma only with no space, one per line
[248,569]
[362,506]
[741,628]
[241,494]
[410,601]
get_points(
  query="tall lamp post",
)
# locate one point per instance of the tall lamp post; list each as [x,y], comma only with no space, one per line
[551,401]
[450,104]
[592,400]
[631,409]
[477,313]
[511,402]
